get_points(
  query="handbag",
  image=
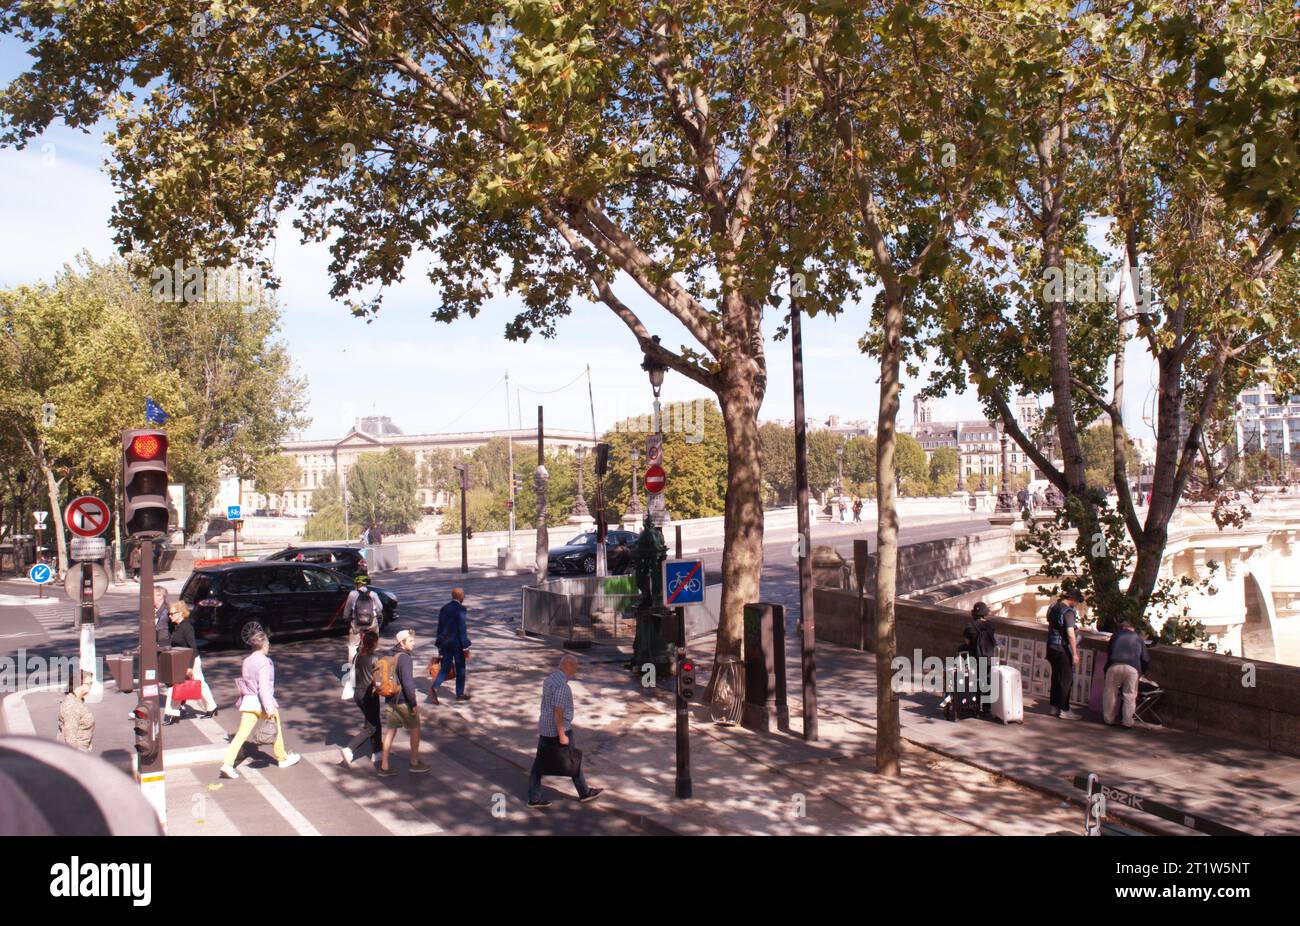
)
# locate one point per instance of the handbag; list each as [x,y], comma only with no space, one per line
[188,690]
[560,760]
[435,665]
[264,733]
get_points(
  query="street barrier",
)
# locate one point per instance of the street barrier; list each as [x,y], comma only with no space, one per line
[1100,796]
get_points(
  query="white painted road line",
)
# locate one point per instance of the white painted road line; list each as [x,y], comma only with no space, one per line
[279,802]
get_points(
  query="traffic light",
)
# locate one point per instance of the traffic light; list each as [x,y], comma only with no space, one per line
[144,481]
[602,459]
[686,678]
[510,504]
[146,732]
[519,483]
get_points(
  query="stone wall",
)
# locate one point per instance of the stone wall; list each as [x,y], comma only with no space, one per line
[1204,692]
[963,559]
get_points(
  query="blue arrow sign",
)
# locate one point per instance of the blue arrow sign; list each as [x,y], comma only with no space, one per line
[683,582]
[232,513]
[41,574]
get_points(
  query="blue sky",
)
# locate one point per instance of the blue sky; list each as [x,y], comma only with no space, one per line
[425,375]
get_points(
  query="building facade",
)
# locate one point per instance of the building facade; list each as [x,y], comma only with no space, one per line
[319,459]
[978,442]
[1270,423]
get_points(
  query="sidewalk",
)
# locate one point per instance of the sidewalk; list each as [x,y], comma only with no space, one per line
[972,777]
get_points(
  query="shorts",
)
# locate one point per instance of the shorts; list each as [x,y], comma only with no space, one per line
[402,716]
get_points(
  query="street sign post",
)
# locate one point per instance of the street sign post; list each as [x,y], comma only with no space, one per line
[86,516]
[42,575]
[39,517]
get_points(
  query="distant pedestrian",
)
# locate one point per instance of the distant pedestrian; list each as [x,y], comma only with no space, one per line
[1038,499]
[367,701]
[365,536]
[1023,498]
[453,644]
[182,635]
[363,611]
[256,686]
[76,722]
[377,533]
[1126,662]
[1063,650]
[857,509]
[133,562]
[844,511]
[403,711]
[555,731]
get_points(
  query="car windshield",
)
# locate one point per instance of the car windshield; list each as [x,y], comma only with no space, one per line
[583,540]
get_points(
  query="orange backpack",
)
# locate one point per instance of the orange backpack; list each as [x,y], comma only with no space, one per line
[385,681]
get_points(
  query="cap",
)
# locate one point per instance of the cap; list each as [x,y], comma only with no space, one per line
[980,610]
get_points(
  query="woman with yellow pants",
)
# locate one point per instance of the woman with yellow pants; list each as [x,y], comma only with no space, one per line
[256,686]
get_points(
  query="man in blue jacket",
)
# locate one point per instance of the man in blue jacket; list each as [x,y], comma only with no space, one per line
[453,644]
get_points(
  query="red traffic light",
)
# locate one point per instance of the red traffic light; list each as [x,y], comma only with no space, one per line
[687,667]
[147,446]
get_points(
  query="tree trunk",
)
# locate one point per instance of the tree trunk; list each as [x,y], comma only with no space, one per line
[56,515]
[742,557]
[888,727]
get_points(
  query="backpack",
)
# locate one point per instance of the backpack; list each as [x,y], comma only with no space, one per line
[985,644]
[384,681]
[364,610]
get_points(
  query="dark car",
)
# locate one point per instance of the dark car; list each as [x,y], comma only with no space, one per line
[230,601]
[579,554]
[348,560]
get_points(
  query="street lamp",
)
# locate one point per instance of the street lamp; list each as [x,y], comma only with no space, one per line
[634,509]
[839,481]
[580,506]
[1004,496]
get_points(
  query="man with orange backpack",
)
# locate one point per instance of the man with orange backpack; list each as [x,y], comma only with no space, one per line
[394,680]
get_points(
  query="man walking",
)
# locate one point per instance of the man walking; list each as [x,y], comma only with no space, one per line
[555,728]
[363,610]
[453,644]
[403,713]
[1063,650]
[1126,662]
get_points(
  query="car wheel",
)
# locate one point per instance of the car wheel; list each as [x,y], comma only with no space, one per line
[247,628]
[589,565]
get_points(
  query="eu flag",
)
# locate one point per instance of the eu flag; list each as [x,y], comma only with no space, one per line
[153,412]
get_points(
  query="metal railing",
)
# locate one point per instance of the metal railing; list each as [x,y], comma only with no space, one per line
[595,609]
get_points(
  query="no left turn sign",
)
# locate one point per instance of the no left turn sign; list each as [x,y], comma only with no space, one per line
[86,516]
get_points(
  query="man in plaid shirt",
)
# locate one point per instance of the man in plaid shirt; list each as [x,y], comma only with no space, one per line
[555,726]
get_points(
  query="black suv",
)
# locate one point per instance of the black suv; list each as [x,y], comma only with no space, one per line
[230,601]
[348,560]
[579,554]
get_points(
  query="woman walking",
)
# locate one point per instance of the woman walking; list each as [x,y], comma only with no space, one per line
[182,634]
[367,700]
[76,722]
[256,686]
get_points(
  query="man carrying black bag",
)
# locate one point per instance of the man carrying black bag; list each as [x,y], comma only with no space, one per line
[556,754]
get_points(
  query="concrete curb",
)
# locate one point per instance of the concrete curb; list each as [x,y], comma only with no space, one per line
[17,718]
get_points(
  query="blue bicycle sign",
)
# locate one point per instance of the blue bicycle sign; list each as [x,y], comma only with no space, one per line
[683,582]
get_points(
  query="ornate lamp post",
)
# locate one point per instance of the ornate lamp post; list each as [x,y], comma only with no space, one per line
[839,480]
[1004,495]
[580,511]
[634,509]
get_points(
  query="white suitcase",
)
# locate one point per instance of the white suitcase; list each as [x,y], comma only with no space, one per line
[1008,702]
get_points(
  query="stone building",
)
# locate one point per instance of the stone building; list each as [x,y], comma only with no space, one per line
[318,459]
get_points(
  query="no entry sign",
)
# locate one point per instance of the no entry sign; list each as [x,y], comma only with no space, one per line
[86,516]
[655,480]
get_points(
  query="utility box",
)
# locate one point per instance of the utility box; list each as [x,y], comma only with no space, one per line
[765,701]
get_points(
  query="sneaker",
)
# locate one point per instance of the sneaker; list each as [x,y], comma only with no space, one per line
[591,795]
[539,804]
[228,771]
[346,753]
[462,697]
[420,767]
[1070,715]
[291,759]
[386,772]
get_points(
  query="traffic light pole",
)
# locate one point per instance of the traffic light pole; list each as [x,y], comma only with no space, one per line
[683,707]
[149,764]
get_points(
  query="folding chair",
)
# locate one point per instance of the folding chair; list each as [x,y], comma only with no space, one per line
[1149,693]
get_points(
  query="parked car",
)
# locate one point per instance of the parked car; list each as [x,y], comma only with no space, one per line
[579,554]
[231,601]
[348,560]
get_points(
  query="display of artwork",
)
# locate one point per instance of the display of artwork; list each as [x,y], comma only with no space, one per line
[1029,656]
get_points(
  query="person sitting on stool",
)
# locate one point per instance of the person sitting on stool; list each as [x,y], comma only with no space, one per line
[1126,662]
